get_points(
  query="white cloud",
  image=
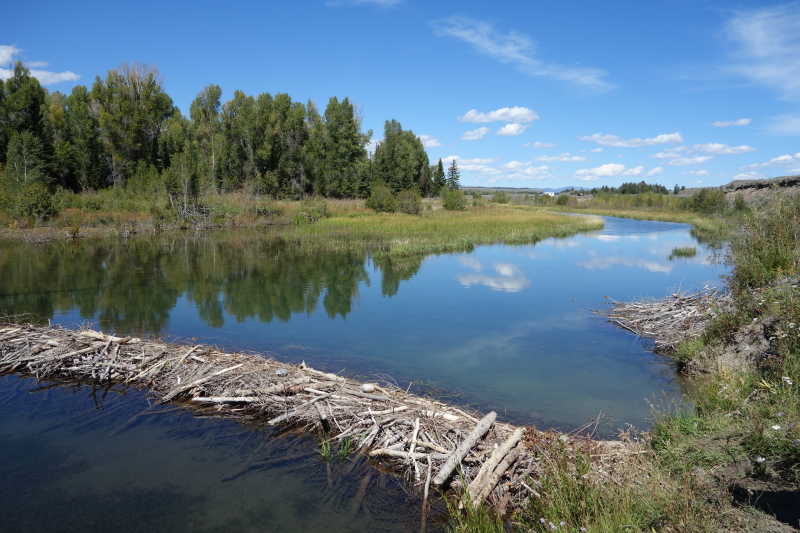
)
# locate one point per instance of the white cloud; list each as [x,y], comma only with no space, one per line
[606,139]
[596,150]
[513,165]
[768,47]
[748,176]
[512,129]
[721,149]
[602,263]
[729,123]
[7,57]
[779,160]
[654,171]
[516,49]
[603,171]
[683,161]
[701,172]
[785,125]
[635,171]
[539,144]
[504,114]
[476,134]
[509,278]
[566,157]
[429,141]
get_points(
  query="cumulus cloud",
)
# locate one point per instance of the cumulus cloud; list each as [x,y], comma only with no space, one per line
[518,50]
[478,165]
[607,139]
[429,141]
[730,123]
[635,171]
[767,47]
[602,263]
[513,165]
[721,149]
[504,114]
[476,134]
[566,157]
[779,160]
[8,55]
[537,145]
[654,171]
[512,129]
[603,171]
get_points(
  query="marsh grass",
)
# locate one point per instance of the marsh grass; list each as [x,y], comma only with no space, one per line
[684,251]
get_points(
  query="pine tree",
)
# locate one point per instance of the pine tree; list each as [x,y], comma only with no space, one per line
[439,178]
[453,176]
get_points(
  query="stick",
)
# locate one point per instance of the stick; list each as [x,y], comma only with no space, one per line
[463,449]
[495,476]
[225,399]
[279,419]
[488,467]
[200,381]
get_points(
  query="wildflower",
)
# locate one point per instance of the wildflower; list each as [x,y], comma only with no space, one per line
[787,380]
[562,523]
[760,459]
[776,427]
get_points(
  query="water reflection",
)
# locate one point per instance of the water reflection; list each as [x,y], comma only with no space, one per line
[134,285]
[509,277]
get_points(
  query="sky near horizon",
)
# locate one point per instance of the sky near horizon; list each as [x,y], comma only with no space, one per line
[522,94]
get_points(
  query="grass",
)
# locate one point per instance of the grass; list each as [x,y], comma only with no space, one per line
[684,251]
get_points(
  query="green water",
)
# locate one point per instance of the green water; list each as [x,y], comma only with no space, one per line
[509,328]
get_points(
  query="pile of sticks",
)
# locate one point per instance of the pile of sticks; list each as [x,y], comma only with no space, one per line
[672,320]
[430,443]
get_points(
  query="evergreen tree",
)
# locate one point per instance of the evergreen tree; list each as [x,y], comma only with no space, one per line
[25,160]
[400,160]
[439,179]
[86,152]
[453,176]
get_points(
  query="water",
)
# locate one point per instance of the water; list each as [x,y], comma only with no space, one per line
[509,328]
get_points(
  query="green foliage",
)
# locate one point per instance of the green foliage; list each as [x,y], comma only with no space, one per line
[500,197]
[382,199]
[311,210]
[409,202]
[438,178]
[453,176]
[632,188]
[708,201]
[562,199]
[400,160]
[739,204]
[33,200]
[25,159]
[453,199]
[684,251]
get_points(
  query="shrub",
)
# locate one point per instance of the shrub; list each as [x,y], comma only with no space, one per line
[708,201]
[562,199]
[500,198]
[453,200]
[311,211]
[382,199]
[34,200]
[409,202]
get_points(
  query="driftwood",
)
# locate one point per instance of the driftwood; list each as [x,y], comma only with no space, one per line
[409,434]
[463,449]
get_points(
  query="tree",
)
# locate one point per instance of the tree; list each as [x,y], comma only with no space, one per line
[25,162]
[132,110]
[453,176]
[439,179]
[400,160]
[676,189]
[207,125]
[23,106]
[181,180]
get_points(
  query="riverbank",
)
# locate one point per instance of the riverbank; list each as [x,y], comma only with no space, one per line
[470,458]
[328,224]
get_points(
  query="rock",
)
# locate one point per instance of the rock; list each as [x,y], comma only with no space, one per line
[281,372]
[368,387]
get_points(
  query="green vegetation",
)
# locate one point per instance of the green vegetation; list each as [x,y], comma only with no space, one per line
[685,251]
[500,197]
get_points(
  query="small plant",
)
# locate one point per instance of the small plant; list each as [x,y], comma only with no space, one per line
[409,202]
[685,251]
[34,201]
[382,199]
[346,447]
[311,210]
[500,197]
[453,200]
[325,450]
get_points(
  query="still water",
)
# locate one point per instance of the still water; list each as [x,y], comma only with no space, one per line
[510,328]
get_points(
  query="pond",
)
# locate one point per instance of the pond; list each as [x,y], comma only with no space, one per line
[509,328]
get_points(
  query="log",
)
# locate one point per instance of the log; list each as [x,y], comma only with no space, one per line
[225,399]
[289,414]
[488,467]
[495,476]
[463,449]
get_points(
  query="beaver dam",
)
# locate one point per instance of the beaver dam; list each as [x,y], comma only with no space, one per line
[429,443]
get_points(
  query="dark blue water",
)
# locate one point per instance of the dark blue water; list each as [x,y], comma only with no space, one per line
[509,328]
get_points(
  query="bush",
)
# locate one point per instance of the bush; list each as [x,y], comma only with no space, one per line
[453,200]
[382,199]
[33,200]
[708,201]
[562,199]
[409,202]
[500,198]
[311,211]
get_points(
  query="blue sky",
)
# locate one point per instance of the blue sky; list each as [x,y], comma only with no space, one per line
[540,94]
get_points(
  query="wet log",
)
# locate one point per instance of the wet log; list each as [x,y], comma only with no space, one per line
[495,476]
[482,478]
